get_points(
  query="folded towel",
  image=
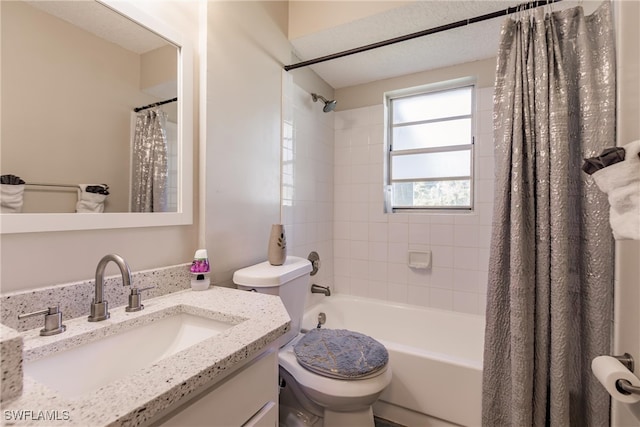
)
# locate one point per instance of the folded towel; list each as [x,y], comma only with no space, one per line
[609,157]
[11,179]
[11,198]
[621,182]
[91,198]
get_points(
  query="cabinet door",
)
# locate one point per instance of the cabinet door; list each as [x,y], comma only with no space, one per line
[238,400]
[266,417]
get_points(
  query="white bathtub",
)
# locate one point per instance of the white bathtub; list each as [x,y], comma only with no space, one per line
[435,356]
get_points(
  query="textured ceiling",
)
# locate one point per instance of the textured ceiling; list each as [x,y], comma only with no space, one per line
[465,44]
[103,22]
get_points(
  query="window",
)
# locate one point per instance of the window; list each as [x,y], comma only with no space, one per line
[430,149]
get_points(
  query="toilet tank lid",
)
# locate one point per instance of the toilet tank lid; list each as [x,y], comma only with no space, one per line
[265,274]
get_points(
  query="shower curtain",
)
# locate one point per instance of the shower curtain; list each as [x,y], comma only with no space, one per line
[550,289]
[149,163]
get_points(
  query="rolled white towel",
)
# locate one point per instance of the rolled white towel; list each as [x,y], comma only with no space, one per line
[621,182]
[89,202]
[11,198]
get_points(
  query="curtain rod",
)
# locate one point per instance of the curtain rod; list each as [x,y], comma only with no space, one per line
[155,104]
[464,22]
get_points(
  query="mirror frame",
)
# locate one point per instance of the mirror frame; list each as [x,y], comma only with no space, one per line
[42,222]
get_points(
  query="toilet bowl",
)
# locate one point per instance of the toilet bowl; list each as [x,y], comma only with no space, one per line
[309,398]
[339,402]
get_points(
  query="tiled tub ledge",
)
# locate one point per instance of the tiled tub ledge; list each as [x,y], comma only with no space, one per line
[258,321]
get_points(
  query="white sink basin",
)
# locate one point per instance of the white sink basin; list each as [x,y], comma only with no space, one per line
[83,369]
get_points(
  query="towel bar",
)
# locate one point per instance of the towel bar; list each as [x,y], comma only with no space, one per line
[40,184]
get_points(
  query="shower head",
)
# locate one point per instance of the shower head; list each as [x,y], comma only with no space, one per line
[328,105]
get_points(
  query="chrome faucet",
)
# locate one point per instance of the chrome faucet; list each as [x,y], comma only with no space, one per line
[99,307]
[317,289]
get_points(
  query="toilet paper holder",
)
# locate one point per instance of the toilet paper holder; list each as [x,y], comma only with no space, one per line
[624,386]
[627,360]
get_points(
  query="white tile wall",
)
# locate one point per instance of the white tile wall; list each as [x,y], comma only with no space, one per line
[308,180]
[371,247]
[332,201]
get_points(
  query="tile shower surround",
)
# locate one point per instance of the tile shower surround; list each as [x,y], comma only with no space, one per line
[371,247]
[307,179]
[75,298]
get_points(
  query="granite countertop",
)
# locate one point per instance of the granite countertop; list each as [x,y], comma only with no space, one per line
[258,319]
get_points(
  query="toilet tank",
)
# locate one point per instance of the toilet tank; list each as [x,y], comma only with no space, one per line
[290,281]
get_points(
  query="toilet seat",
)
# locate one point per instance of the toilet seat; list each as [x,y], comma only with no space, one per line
[340,353]
[368,385]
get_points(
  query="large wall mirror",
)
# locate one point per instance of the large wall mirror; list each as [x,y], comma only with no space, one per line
[73,75]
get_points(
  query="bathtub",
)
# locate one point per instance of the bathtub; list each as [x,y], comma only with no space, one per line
[435,357]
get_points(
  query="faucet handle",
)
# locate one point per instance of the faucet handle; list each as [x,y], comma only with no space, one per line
[52,320]
[135,300]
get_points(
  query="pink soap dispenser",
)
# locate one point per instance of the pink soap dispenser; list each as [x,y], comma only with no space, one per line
[200,271]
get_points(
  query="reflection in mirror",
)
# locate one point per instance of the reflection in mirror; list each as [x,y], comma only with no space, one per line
[73,74]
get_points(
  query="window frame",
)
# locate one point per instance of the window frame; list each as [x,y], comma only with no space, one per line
[389,152]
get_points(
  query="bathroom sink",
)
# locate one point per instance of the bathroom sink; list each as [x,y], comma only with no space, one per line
[81,370]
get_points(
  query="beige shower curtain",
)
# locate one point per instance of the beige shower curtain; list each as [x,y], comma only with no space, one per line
[550,291]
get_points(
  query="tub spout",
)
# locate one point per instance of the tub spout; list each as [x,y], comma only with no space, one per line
[99,307]
[317,289]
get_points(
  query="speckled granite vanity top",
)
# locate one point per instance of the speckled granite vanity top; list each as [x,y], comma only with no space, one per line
[258,320]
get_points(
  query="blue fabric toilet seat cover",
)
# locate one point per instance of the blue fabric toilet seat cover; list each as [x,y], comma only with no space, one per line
[340,353]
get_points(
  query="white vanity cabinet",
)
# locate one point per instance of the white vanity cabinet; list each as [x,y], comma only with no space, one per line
[248,397]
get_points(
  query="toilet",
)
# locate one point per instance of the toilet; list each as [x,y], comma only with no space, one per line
[311,396]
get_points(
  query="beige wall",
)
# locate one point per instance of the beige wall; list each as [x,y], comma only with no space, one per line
[369,94]
[307,17]
[159,68]
[246,49]
[33,260]
[309,80]
[159,77]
